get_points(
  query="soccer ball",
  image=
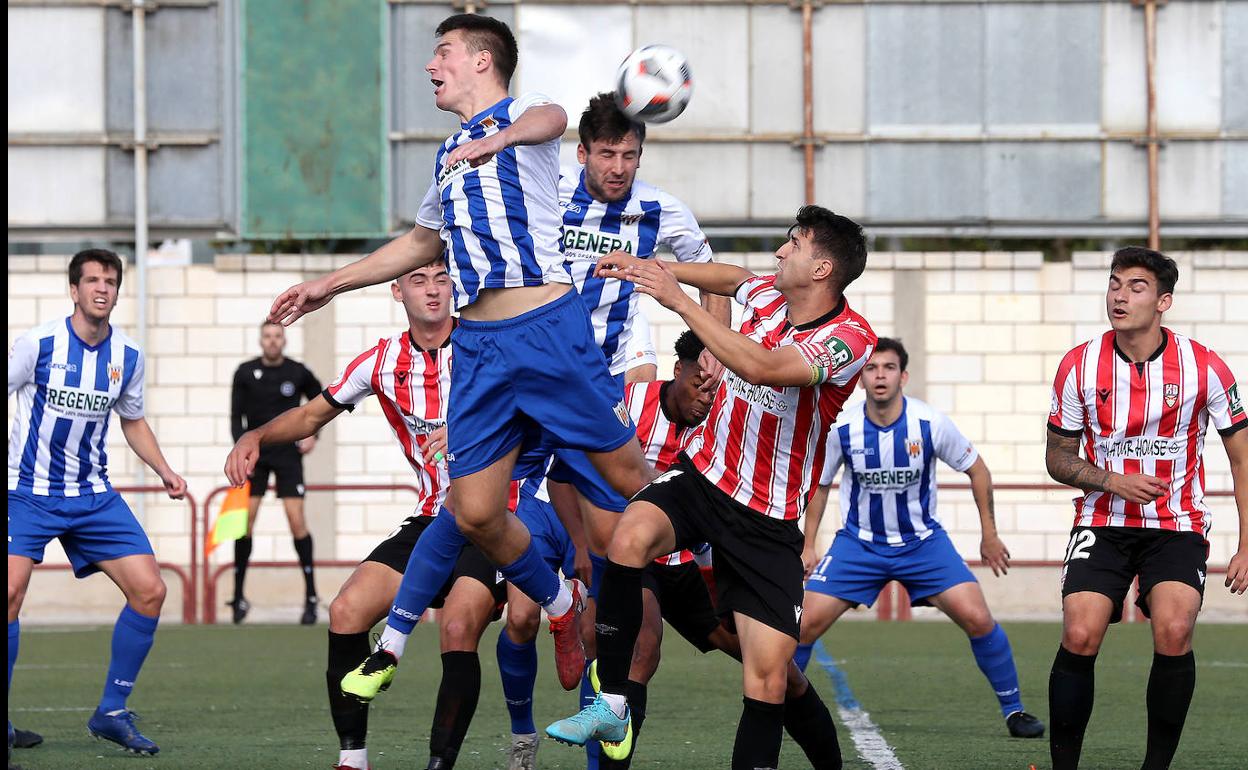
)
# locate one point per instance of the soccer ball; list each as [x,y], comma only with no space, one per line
[654,84]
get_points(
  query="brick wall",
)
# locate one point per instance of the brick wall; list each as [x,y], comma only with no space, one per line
[992,327]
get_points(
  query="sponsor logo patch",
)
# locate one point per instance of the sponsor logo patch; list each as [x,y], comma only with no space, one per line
[1143,448]
[1232,397]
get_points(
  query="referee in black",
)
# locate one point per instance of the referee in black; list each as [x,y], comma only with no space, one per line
[265,387]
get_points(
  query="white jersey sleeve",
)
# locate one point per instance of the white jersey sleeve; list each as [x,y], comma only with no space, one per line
[640,343]
[355,383]
[430,212]
[525,101]
[1226,410]
[834,459]
[954,449]
[680,232]
[129,404]
[22,358]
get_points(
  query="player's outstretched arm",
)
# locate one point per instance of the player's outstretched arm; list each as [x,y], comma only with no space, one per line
[708,277]
[534,126]
[1065,466]
[1237,451]
[991,549]
[416,248]
[289,426]
[141,439]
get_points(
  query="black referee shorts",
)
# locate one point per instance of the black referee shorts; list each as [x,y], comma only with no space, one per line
[396,550]
[758,559]
[684,601]
[286,465]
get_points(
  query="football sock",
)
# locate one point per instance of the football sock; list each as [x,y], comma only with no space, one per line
[759,735]
[808,721]
[303,548]
[349,714]
[593,749]
[357,758]
[1170,686]
[431,563]
[393,640]
[15,635]
[802,656]
[517,665]
[617,626]
[133,635]
[532,575]
[242,555]
[637,713]
[597,565]
[1072,683]
[457,703]
[996,660]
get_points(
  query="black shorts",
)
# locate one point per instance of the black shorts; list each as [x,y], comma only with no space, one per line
[1106,560]
[286,465]
[684,601]
[758,560]
[396,550]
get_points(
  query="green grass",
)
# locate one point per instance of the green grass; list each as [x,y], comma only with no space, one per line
[254,697]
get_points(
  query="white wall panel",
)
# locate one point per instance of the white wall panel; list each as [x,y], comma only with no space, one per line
[841,178]
[56,185]
[571,53]
[712,179]
[775,79]
[777,181]
[1235,180]
[839,39]
[1189,179]
[56,69]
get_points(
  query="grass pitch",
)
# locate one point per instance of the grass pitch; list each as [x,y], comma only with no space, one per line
[254,697]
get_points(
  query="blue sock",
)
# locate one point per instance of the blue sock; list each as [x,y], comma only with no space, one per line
[517,665]
[802,656]
[598,565]
[593,748]
[15,631]
[996,660]
[431,563]
[132,639]
[532,575]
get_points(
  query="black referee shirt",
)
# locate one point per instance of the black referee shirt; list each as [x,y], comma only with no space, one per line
[262,392]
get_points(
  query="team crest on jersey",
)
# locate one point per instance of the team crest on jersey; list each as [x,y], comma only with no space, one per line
[488,123]
[621,413]
[1171,393]
[114,374]
[914,447]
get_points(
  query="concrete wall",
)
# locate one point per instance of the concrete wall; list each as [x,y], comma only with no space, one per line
[986,331]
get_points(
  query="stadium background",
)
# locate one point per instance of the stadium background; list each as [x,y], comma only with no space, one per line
[995,151]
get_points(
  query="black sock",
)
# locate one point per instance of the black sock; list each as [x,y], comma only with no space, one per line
[637,712]
[350,715]
[617,625]
[457,703]
[242,555]
[1072,683]
[303,547]
[759,735]
[1170,686]
[809,723]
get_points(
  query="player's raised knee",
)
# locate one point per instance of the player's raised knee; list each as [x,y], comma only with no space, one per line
[522,627]
[16,595]
[148,595]
[346,616]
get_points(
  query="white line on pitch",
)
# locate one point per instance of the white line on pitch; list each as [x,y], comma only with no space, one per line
[866,735]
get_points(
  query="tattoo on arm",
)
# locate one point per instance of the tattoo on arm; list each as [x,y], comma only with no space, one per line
[1066,466]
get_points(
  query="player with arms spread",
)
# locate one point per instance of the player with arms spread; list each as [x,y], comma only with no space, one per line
[524,347]
[70,375]
[745,478]
[1138,399]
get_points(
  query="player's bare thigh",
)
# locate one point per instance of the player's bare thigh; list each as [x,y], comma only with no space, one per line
[966,606]
[479,502]
[599,524]
[364,599]
[1085,619]
[464,616]
[765,656]
[1172,609]
[138,577]
[20,568]
[624,468]
[819,612]
[294,516]
[643,534]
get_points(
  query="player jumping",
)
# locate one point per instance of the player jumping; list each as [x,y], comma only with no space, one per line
[69,375]
[889,446]
[1138,399]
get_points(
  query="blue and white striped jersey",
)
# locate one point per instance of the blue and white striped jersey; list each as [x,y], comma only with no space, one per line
[888,491]
[637,224]
[65,391]
[499,221]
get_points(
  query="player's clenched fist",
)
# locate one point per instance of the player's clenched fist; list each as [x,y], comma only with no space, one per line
[1137,488]
[242,460]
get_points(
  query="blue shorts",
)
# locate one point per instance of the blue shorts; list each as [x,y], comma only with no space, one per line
[91,528]
[856,571]
[573,467]
[537,380]
[547,533]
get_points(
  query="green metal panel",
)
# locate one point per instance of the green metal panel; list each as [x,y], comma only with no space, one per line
[313,134]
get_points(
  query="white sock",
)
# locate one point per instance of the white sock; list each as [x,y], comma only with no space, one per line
[618,703]
[357,758]
[392,642]
[559,606]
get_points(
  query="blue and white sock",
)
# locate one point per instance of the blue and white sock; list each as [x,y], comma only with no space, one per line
[132,639]
[517,665]
[431,563]
[996,660]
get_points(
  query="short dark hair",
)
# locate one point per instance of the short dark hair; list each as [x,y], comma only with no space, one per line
[485,33]
[1162,267]
[838,237]
[885,344]
[689,347]
[604,120]
[102,256]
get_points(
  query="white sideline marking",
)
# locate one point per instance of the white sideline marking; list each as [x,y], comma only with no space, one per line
[55,708]
[866,735]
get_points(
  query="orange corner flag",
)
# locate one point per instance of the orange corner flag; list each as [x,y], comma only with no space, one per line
[231,523]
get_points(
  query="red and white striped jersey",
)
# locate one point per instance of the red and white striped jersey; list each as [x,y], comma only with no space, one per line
[662,440]
[765,446]
[1146,418]
[412,385]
